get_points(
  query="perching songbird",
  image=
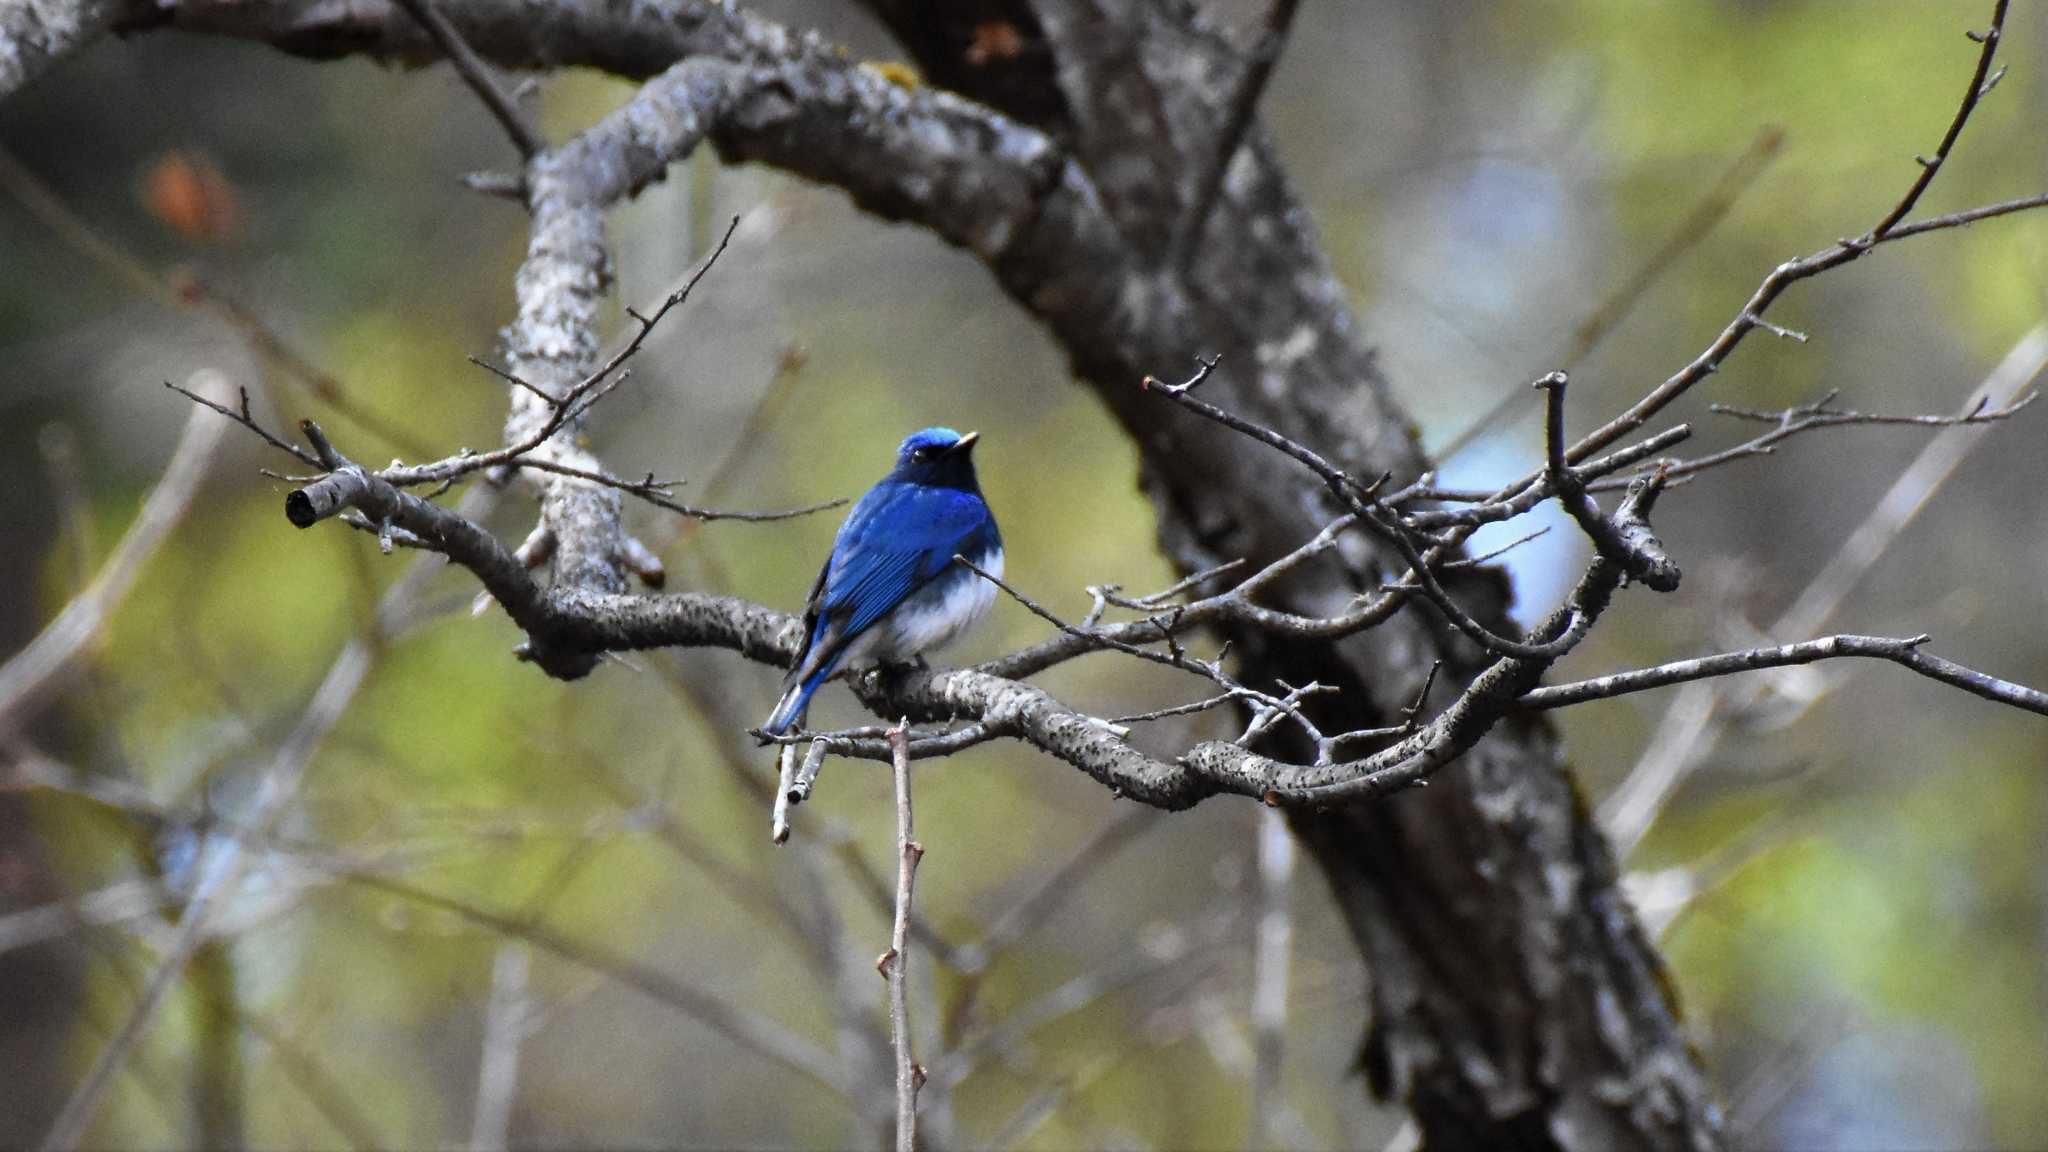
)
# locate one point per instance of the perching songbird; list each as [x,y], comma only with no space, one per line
[890,590]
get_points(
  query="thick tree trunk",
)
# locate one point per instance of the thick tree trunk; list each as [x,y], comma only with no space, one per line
[1516,1002]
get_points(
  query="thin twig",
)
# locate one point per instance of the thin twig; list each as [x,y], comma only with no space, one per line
[785,791]
[1980,84]
[184,291]
[1174,657]
[1739,177]
[1693,725]
[1804,418]
[242,415]
[1270,956]
[1843,252]
[655,492]
[28,677]
[478,76]
[1905,652]
[895,963]
[567,408]
[1364,502]
[505,1023]
[223,876]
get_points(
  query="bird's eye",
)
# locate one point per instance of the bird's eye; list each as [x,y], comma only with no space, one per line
[921,455]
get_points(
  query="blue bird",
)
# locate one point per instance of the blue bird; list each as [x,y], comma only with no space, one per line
[890,590]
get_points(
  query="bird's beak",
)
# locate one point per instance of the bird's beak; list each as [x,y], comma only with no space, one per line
[964,443]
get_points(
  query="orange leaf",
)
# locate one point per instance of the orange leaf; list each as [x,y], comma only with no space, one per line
[187,191]
[994,40]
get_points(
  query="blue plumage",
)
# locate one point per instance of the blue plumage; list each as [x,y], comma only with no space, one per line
[890,590]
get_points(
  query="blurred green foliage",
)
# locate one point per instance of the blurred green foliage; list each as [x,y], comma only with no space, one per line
[1896,875]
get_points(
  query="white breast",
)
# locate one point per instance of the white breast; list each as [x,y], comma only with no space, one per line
[933,616]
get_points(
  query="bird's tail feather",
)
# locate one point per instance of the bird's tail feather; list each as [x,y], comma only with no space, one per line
[790,709]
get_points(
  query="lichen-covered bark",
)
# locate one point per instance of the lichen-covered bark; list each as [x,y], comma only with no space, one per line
[34,34]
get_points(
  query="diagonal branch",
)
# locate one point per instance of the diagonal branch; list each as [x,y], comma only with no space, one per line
[1751,317]
[473,72]
[28,677]
[1904,652]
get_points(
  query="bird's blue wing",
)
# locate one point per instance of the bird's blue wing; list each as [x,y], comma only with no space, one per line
[908,537]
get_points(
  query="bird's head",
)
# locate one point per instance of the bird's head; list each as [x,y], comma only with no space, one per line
[938,456]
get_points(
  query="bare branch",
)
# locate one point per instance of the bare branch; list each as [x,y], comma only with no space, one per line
[1364,502]
[1820,415]
[1693,724]
[785,790]
[655,492]
[1740,176]
[1625,539]
[477,76]
[1905,652]
[241,415]
[222,877]
[564,410]
[1270,958]
[1981,83]
[29,676]
[896,963]
[1347,490]
[749,1030]
[1791,272]
[505,1023]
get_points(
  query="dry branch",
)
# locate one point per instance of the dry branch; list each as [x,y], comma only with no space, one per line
[895,964]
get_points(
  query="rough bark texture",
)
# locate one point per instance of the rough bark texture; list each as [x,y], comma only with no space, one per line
[35,34]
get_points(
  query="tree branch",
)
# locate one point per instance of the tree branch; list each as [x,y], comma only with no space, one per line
[895,964]
[464,58]
[1904,652]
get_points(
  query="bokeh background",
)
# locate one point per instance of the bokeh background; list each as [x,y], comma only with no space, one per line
[1850,883]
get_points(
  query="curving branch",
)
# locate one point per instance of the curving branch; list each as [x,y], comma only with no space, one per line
[568,629]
